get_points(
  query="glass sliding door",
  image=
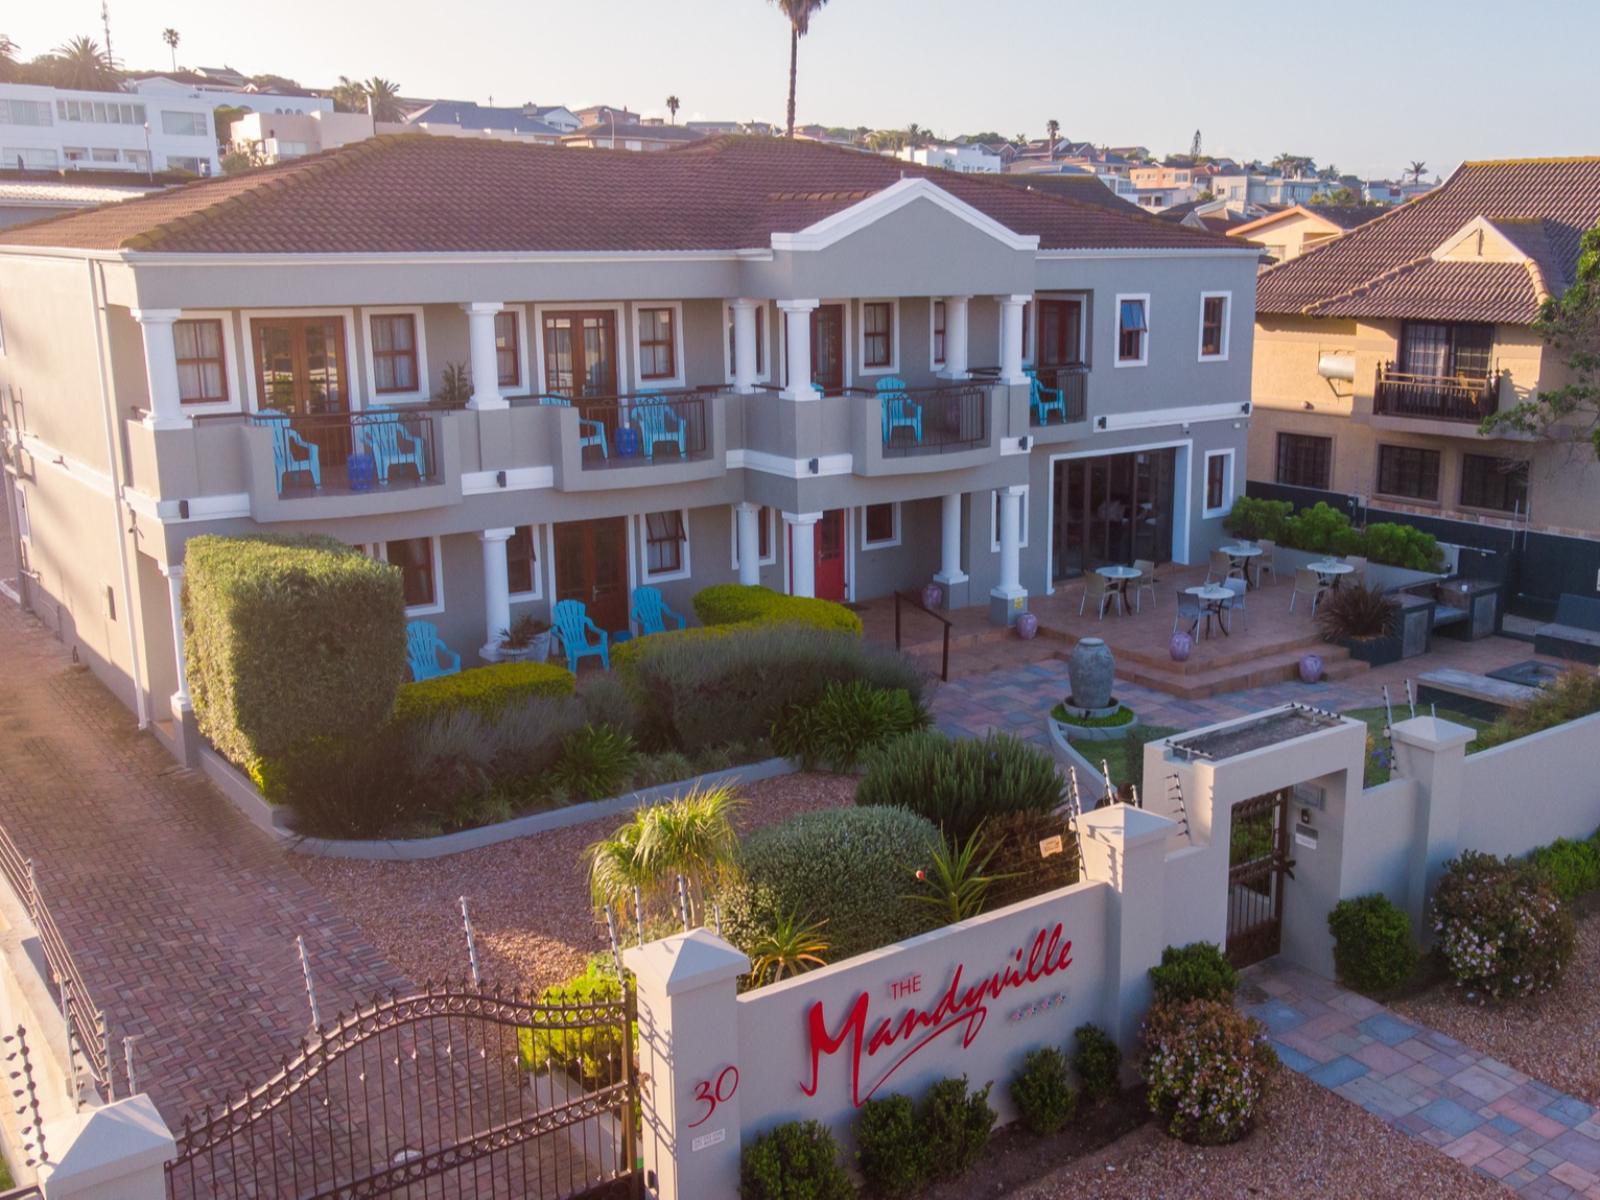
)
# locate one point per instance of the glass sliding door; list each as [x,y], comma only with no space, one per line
[1112,508]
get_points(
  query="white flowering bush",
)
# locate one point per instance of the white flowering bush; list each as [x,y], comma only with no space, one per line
[1207,1067]
[1502,929]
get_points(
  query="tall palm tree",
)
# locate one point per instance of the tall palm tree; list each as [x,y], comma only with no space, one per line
[798,13]
[672,108]
[349,95]
[1417,170]
[1052,129]
[170,37]
[80,63]
[383,99]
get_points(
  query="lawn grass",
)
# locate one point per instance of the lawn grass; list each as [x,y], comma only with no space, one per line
[1377,718]
[1124,755]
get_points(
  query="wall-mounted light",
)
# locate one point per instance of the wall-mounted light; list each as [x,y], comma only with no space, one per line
[814,466]
[1099,422]
[499,479]
[1025,442]
[183,510]
[1245,408]
[1186,429]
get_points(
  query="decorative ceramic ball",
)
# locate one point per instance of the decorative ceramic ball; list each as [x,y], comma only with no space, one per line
[1311,668]
[932,596]
[1027,625]
[1180,647]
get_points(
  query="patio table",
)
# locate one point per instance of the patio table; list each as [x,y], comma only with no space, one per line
[1121,576]
[1240,555]
[1330,571]
[1212,598]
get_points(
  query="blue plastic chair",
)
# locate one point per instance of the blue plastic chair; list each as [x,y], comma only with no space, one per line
[1044,400]
[590,433]
[572,622]
[285,443]
[653,417]
[650,611]
[899,410]
[392,444]
[428,655]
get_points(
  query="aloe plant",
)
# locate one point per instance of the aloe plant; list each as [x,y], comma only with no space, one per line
[790,947]
[959,887]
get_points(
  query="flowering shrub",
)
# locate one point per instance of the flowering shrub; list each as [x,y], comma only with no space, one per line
[1207,1067]
[1502,929]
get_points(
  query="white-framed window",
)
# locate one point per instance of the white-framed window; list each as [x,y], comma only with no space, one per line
[658,343]
[994,521]
[763,344]
[106,154]
[766,536]
[33,158]
[1216,308]
[664,545]
[99,112]
[1219,483]
[880,526]
[524,563]
[1133,331]
[421,572]
[511,348]
[185,124]
[185,162]
[396,353]
[938,327]
[880,337]
[24,112]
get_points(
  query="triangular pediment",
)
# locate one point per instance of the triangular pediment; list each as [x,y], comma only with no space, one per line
[1480,240]
[892,199]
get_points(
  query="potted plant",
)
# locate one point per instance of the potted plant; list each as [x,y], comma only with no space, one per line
[1364,620]
[528,640]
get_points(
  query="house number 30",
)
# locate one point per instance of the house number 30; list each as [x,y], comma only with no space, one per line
[714,1092]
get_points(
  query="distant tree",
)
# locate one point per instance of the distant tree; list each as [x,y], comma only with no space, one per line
[384,99]
[1194,147]
[349,95]
[1020,140]
[1416,170]
[1052,129]
[798,13]
[672,108]
[275,83]
[242,158]
[80,63]
[1340,195]
[988,136]
[170,37]
[9,67]
[916,135]
[222,119]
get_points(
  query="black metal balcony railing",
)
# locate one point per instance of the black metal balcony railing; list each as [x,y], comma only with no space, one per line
[1064,398]
[643,428]
[931,420]
[1434,397]
[378,449]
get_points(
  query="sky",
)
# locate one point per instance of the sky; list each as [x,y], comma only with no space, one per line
[1364,85]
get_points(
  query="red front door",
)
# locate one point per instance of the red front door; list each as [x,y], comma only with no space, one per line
[830,556]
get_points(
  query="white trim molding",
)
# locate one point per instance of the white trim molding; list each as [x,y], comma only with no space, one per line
[896,196]
[537,573]
[1116,332]
[1111,422]
[789,468]
[518,479]
[893,367]
[1228,484]
[894,538]
[676,379]
[424,388]
[1227,321]
[380,551]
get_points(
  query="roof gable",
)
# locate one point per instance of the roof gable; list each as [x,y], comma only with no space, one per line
[892,199]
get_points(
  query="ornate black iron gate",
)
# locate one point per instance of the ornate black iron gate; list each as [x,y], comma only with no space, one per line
[454,1092]
[1258,864]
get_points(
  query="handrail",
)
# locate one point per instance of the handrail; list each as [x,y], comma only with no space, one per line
[914,602]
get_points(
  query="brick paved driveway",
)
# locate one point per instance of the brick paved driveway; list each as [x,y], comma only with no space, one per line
[181,914]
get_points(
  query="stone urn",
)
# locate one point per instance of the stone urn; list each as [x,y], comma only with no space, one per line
[1311,668]
[1180,647]
[932,596]
[1027,625]
[1091,670]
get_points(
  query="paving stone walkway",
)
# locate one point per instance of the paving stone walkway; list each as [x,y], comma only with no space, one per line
[1540,1143]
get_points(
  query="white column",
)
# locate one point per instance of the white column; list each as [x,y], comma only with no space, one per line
[950,541]
[1010,585]
[955,337]
[496,588]
[744,345]
[803,551]
[485,361]
[749,518]
[161,369]
[797,325]
[1011,339]
[180,698]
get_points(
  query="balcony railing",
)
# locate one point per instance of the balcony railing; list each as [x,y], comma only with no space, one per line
[1065,399]
[378,449]
[641,429]
[1434,397]
[932,420]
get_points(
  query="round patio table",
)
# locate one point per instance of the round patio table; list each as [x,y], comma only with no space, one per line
[1240,555]
[1121,576]
[1330,571]
[1212,598]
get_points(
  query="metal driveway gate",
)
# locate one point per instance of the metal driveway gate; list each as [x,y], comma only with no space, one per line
[1258,865]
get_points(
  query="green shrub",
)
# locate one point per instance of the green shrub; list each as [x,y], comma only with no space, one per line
[957,783]
[1018,869]
[1206,1066]
[890,1148]
[844,724]
[596,762]
[668,767]
[1373,950]
[1315,528]
[1503,931]
[1097,1061]
[798,1160]
[1252,518]
[1401,546]
[350,787]
[604,700]
[1042,1092]
[592,1051]
[1571,868]
[527,738]
[850,870]
[288,639]
[738,604]
[484,690]
[1197,971]
[1576,694]
[956,1125]
[1357,614]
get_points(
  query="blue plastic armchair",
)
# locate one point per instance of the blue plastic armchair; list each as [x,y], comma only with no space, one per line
[291,453]
[650,611]
[590,433]
[572,622]
[899,410]
[392,444]
[426,652]
[653,417]
[1044,400]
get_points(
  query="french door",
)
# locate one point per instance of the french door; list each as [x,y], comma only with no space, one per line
[580,354]
[299,364]
[827,348]
[592,567]
[1060,333]
[1113,508]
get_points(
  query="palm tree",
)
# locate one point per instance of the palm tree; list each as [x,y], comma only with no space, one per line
[8,59]
[170,37]
[691,836]
[915,135]
[1417,170]
[798,13]
[672,108]
[383,99]
[80,63]
[1052,129]
[349,96]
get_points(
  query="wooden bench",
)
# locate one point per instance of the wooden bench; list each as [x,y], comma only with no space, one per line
[1575,633]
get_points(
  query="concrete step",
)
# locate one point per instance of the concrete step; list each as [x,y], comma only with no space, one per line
[1261,671]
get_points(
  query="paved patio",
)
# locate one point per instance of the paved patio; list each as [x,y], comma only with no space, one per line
[1540,1143]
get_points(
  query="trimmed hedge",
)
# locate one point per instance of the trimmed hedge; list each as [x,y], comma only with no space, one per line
[742,604]
[486,691]
[1373,950]
[289,639]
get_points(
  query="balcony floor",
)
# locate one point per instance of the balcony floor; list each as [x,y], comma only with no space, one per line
[336,482]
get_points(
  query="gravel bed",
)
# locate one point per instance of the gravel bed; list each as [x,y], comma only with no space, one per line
[529,898]
[1555,1038]
[1312,1143]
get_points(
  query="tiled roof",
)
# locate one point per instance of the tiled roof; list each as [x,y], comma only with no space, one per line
[479,116]
[1086,189]
[1346,216]
[603,131]
[413,193]
[1385,268]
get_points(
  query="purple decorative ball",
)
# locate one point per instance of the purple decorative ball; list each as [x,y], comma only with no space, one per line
[1311,668]
[1181,646]
[1027,625]
[932,596]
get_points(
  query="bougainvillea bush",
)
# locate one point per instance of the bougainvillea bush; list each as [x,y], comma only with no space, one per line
[1503,931]
[1207,1067]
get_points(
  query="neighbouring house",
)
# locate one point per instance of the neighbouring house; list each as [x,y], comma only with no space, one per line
[596,114]
[1380,351]
[1287,233]
[747,359]
[1219,216]
[462,118]
[968,159]
[47,129]
[248,97]
[630,136]
[1276,190]
[35,195]
[273,137]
